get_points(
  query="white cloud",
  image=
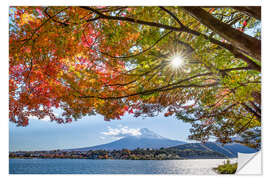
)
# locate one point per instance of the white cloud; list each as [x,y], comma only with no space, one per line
[121,132]
[102,137]
[46,118]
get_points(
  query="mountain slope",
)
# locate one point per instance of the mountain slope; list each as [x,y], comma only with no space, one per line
[147,139]
[229,150]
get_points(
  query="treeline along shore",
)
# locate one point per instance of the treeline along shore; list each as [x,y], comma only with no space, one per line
[136,154]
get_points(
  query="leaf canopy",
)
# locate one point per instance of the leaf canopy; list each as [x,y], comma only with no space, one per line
[113,60]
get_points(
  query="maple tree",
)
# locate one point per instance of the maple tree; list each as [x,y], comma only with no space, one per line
[113,60]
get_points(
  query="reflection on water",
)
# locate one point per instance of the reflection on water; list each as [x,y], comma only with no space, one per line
[86,166]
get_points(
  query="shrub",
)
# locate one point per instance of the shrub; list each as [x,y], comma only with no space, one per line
[226,168]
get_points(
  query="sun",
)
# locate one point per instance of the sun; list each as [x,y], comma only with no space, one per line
[176,61]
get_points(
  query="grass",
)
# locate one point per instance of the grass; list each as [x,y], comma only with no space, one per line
[226,168]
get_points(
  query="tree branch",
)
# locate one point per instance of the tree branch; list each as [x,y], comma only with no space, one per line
[163,88]
[252,11]
[229,47]
[128,19]
[171,14]
[252,111]
[153,45]
[52,18]
[239,39]
[35,31]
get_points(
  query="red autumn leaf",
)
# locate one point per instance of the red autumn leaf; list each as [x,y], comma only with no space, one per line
[130,111]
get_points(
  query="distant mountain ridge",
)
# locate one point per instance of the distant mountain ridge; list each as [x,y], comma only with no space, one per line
[146,139]
[228,150]
[150,139]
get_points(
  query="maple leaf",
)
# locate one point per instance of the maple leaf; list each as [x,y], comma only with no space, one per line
[112,60]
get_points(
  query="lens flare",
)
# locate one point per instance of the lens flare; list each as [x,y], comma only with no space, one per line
[176,61]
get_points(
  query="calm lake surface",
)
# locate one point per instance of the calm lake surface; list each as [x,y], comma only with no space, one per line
[87,166]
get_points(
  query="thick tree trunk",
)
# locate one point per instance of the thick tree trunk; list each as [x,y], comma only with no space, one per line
[257,97]
[252,11]
[239,40]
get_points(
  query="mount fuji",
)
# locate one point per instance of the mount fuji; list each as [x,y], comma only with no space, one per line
[146,139]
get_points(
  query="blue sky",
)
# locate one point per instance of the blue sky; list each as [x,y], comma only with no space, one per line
[88,131]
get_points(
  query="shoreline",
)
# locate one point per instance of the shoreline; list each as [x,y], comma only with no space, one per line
[135,159]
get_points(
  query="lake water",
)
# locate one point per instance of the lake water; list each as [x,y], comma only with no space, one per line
[87,166]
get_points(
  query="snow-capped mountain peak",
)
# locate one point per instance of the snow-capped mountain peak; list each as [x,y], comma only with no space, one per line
[146,133]
[143,139]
